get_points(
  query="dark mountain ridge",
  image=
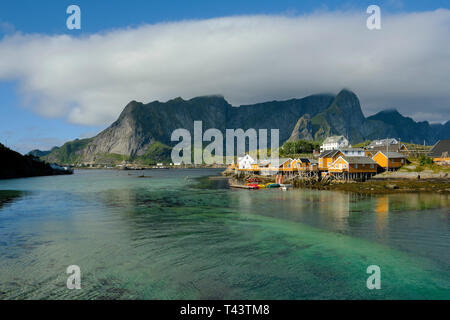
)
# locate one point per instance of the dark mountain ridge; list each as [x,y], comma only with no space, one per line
[141,126]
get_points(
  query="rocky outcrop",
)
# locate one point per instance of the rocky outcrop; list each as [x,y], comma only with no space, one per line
[302,129]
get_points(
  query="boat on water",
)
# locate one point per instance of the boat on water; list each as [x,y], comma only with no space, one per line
[272,185]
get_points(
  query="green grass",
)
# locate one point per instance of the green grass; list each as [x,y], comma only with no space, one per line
[362,144]
[420,164]
[157,152]
[69,153]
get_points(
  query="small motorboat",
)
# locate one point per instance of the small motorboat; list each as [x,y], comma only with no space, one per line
[253,186]
[272,185]
[262,186]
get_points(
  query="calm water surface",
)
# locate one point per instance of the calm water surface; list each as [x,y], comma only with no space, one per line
[173,237]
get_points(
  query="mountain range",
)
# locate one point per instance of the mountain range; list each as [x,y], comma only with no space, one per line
[143,131]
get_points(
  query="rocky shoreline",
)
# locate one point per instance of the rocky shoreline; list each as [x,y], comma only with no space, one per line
[374,186]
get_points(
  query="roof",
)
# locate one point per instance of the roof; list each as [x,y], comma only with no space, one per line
[281,160]
[351,149]
[381,142]
[304,160]
[329,153]
[439,148]
[264,162]
[392,154]
[359,160]
[274,161]
[333,139]
[245,156]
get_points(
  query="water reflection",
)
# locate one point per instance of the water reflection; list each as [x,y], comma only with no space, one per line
[167,238]
[9,196]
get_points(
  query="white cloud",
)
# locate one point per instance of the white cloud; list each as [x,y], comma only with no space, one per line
[248,59]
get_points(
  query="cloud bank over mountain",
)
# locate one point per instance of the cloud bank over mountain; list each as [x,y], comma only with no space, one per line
[89,79]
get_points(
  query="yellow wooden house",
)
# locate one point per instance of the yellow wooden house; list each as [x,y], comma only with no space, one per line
[301,164]
[389,160]
[327,158]
[353,167]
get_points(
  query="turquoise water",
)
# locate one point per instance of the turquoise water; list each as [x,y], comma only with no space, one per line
[172,237]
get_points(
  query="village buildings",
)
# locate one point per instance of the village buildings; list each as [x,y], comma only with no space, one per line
[341,163]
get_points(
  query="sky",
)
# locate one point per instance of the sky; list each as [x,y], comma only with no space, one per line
[58,84]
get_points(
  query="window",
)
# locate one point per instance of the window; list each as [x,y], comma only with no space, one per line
[371,166]
[356,166]
[403,160]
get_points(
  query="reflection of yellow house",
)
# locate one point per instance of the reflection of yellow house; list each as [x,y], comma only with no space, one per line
[382,205]
[382,210]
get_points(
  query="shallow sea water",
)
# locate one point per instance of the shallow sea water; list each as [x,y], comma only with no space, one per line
[180,235]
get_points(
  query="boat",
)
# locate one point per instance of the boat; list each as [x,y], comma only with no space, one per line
[272,185]
[253,186]
[262,186]
[285,186]
[240,186]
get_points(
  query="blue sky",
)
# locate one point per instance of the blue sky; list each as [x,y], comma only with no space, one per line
[22,128]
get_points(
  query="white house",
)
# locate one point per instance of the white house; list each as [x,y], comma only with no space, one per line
[334,143]
[245,162]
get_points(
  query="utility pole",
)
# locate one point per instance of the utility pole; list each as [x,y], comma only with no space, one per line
[387,155]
